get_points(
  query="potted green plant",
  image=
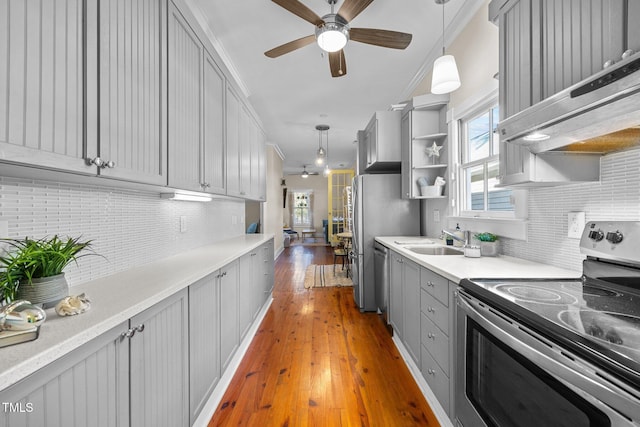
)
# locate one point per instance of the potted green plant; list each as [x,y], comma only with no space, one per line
[488,244]
[32,269]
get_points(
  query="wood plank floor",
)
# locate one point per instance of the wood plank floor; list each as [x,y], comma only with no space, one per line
[317,361]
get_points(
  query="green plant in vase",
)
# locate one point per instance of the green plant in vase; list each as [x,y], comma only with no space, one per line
[488,243]
[32,269]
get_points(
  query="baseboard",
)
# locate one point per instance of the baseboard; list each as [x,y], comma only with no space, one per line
[218,393]
[433,402]
[277,254]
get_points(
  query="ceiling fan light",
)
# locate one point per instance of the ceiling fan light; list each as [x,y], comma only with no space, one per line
[305,175]
[332,37]
[445,77]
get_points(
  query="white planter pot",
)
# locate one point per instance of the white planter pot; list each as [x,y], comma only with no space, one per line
[489,248]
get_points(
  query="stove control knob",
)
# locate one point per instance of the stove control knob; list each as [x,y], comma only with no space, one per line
[614,237]
[596,235]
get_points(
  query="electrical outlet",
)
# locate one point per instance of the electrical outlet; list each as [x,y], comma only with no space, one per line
[575,224]
[436,215]
[183,224]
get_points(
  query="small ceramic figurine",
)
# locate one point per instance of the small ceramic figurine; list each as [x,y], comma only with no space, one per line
[73,305]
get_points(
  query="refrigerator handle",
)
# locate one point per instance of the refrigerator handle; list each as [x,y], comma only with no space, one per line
[356,214]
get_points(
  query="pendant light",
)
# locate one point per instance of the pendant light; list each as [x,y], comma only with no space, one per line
[445,76]
[321,153]
[326,170]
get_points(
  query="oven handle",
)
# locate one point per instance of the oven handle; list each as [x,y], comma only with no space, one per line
[587,384]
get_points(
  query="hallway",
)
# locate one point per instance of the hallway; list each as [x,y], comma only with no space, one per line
[317,361]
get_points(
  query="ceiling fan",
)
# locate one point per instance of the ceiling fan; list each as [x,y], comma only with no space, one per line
[305,173]
[333,32]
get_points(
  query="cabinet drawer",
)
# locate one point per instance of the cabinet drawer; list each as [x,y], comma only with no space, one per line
[435,310]
[436,342]
[436,285]
[438,381]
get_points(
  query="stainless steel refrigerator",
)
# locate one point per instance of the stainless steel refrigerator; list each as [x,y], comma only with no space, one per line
[378,210]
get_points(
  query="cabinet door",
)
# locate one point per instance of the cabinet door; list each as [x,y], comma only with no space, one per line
[268,269]
[519,78]
[87,387]
[159,376]
[233,142]
[248,290]
[372,141]
[245,143]
[578,37]
[213,135]
[229,319]
[396,315]
[185,103]
[204,341]
[632,27]
[132,89]
[405,152]
[411,305]
[41,113]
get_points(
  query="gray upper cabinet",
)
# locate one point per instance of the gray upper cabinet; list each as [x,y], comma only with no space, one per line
[41,113]
[159,364]
[382,136]
[132,96]
[185,103]
[213,156]
[233,106]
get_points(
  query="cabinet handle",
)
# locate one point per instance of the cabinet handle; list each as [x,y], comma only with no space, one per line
[431,372]
[430,310]
[431,335]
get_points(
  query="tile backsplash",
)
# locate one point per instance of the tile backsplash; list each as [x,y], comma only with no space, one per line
[128,228]
[615,197]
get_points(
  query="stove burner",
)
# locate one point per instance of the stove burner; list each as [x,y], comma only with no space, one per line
[614,328]
[599,292]
[535,294]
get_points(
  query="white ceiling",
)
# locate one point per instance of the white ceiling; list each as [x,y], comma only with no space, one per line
[295,92]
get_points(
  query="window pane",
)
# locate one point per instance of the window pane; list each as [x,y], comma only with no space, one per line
[495,138]
[474,177]
[478,133]
[499,199]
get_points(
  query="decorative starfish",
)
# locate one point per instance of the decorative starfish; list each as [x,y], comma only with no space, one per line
[434,150]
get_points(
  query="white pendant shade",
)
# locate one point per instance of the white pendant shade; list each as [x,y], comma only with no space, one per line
[445,77]
[319,161]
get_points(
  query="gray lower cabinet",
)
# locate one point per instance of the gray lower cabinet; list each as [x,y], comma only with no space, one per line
[134,375]
[268,269]
[249,289]
[229,313]
[405,302]
[437,317]
[159,364]
[204,340]
[88,387]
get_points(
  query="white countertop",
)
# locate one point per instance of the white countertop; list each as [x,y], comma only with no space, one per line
[115,299]
[458,267]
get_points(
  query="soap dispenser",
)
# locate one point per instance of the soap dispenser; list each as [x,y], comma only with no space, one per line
[459,234]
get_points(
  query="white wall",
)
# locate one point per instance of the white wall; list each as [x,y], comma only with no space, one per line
[616,197]
[128,228]
[272,208]
[316,183]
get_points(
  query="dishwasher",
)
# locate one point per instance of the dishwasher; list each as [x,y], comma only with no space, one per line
[381,269]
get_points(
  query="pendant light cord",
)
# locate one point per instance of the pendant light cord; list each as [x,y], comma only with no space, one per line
[443,28]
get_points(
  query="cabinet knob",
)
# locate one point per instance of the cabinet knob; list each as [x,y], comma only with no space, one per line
[431,310]
[140,328]
[431,372]
[608,64]
[96,161]
[627,53]
[110,164]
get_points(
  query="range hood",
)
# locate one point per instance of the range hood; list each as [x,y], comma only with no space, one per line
[598,115]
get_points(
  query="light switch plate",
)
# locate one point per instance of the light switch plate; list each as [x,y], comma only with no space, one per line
[575,224]
[436,215]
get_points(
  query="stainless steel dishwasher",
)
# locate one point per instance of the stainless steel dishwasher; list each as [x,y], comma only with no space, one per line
[381,269]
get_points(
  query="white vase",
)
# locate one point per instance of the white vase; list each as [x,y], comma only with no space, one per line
[489,248]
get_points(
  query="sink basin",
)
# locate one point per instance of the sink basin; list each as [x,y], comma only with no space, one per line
[434,250]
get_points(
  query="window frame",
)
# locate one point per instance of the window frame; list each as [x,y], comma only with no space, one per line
[307,193]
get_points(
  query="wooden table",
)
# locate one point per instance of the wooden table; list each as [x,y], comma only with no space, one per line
[308,232]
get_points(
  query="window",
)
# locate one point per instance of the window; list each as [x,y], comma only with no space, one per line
[480,166]
[301,209]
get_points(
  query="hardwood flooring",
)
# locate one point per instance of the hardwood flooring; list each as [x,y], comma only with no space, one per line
[317,361]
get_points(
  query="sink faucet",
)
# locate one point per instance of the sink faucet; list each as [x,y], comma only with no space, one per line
[465,241]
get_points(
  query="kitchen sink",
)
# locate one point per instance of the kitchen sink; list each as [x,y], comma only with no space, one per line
[434,250]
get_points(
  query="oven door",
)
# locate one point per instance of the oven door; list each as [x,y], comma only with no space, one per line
[510,376]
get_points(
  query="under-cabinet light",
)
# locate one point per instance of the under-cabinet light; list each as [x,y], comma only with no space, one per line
[186,197]
[536,136]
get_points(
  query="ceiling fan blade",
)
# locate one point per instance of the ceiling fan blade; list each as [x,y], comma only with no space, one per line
[297,8]
[384,38]
[291,46]
[352,8]
[337,64]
